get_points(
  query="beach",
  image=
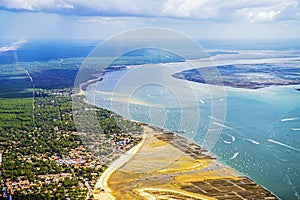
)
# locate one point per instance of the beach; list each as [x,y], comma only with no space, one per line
[165,166]
[102,182]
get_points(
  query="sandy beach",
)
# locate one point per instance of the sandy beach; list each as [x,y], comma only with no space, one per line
[106,192]
[167,166]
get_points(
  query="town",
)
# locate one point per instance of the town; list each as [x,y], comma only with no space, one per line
[43,156]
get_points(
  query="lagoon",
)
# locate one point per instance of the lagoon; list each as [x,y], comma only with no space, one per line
[255,131]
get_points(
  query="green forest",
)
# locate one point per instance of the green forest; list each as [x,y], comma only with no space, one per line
[44,156]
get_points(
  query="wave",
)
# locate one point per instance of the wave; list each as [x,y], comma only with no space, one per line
[234,156]
[252,141]
[295,129]
[213,118]
[289,119]
[213,129]
[282,144]
[201,101]
[222,125]
[232,139]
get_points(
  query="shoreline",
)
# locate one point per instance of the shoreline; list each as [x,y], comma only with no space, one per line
[103,181]
[163,160]
[84,85]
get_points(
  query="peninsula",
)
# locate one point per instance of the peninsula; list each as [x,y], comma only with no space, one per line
[250,76]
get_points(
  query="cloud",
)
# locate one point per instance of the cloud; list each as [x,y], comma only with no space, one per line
[263,15]
[218,10]
[281,10]
[189,9]
[37,5]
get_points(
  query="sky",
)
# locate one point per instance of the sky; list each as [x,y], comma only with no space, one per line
[99,19]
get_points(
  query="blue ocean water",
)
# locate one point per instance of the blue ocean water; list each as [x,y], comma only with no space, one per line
[260,136]
[43,50]
[267,140]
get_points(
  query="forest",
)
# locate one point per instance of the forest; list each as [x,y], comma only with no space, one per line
[44,156]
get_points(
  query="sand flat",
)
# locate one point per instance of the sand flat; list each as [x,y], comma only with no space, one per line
[167,166]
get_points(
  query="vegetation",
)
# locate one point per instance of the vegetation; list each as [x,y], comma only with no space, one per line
[61,73]
[44,157]
[45,154]
[14,82]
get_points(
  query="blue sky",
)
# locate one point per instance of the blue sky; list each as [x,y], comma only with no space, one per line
[99,19]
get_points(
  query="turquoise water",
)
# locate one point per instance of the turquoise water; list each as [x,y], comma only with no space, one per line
[260,136]
[266,138]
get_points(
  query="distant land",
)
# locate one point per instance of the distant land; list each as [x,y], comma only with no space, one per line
[251,76]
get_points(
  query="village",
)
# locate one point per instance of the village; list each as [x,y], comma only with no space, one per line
[51,160]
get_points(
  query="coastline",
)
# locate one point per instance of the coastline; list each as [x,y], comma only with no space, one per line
[83,86]
[165,164]
[206,167]
[102,182]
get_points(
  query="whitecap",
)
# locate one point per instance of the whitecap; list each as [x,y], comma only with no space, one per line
[252,141]
[211,117]
[201,101]
[289,119]
[222,125]
[295,129]
[282,144]
[234,155]
[213,129]
[232,139]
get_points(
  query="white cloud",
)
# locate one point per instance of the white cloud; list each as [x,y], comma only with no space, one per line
[258,16]
[189,9]
[276,10]
[33,5]
[102,20]
[218,10]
